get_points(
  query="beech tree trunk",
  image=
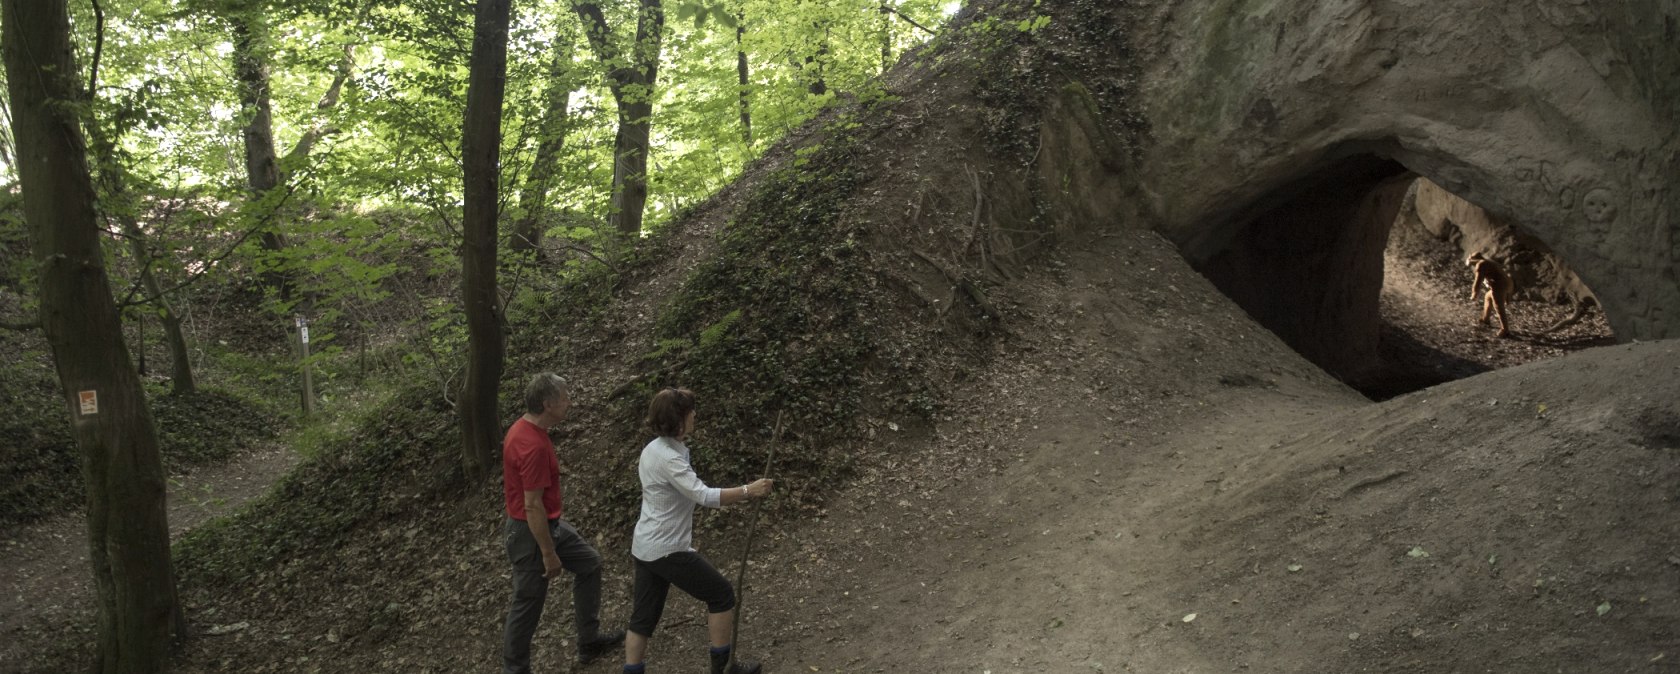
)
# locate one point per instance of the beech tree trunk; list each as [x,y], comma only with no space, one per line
[632,89]
[262,165]
[533,196]
[264,169]
[743,79]
[481,142]
[128,532]
[631,145]
[818,60]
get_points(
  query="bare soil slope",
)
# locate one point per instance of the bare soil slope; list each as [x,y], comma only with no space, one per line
[1523,520]
[1156,485]
[1135,451]
[1135,478]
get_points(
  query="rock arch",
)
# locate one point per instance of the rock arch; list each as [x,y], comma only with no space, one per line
[1560,114]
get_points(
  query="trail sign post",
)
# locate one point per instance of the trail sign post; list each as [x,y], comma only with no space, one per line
[303,361]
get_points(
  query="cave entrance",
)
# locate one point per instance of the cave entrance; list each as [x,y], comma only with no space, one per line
[1359,266]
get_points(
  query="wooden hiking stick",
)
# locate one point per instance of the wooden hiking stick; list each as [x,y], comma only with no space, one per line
[752,532]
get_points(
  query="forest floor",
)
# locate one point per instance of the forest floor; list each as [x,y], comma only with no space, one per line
[1430,332]
[1140,479]
[44,566]
[1148,482]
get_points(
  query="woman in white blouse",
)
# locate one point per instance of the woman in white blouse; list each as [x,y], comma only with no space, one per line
[663,542]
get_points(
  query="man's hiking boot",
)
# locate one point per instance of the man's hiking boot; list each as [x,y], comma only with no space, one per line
[590,651]
[720,665]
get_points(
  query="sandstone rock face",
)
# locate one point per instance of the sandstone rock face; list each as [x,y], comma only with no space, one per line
[1279,126]
[1431,214]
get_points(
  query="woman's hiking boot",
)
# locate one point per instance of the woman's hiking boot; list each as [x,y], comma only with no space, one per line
[721,665]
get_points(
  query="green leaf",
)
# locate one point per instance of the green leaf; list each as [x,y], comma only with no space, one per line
[723,16]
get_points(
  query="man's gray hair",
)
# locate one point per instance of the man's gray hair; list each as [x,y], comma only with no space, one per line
[544,387]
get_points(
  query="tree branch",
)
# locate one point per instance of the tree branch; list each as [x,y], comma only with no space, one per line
[595,28]
[321,129]
[98,46]
[894,10]
[635,70]
[129,299]
[591,254]
[20,327]
[329,100]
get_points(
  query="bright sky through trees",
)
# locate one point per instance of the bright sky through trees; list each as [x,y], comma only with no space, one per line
[166,72]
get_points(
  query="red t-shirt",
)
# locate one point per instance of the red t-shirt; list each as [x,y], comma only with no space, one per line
[529,464]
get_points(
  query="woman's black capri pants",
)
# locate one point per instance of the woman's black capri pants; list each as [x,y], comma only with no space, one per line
[688,571]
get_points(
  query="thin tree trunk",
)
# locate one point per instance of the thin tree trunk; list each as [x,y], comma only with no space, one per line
[819,86]
[481,142]
[632,88]
[262,169]
[886,37]
[181,380]
[116,186]
[533,196]
[819,61]
[743,78]
[127,524]
[6,134]
[139,336]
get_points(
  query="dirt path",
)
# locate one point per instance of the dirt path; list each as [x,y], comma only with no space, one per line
[1430,328]
[43,567]
[1029,533]
[1155,485]
[1138,478]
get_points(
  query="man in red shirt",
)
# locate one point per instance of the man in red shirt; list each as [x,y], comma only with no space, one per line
[539,542]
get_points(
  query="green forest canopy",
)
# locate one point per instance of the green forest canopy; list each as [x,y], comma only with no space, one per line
[370,169]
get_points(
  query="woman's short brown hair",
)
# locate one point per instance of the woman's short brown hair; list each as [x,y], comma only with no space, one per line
[669,411]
